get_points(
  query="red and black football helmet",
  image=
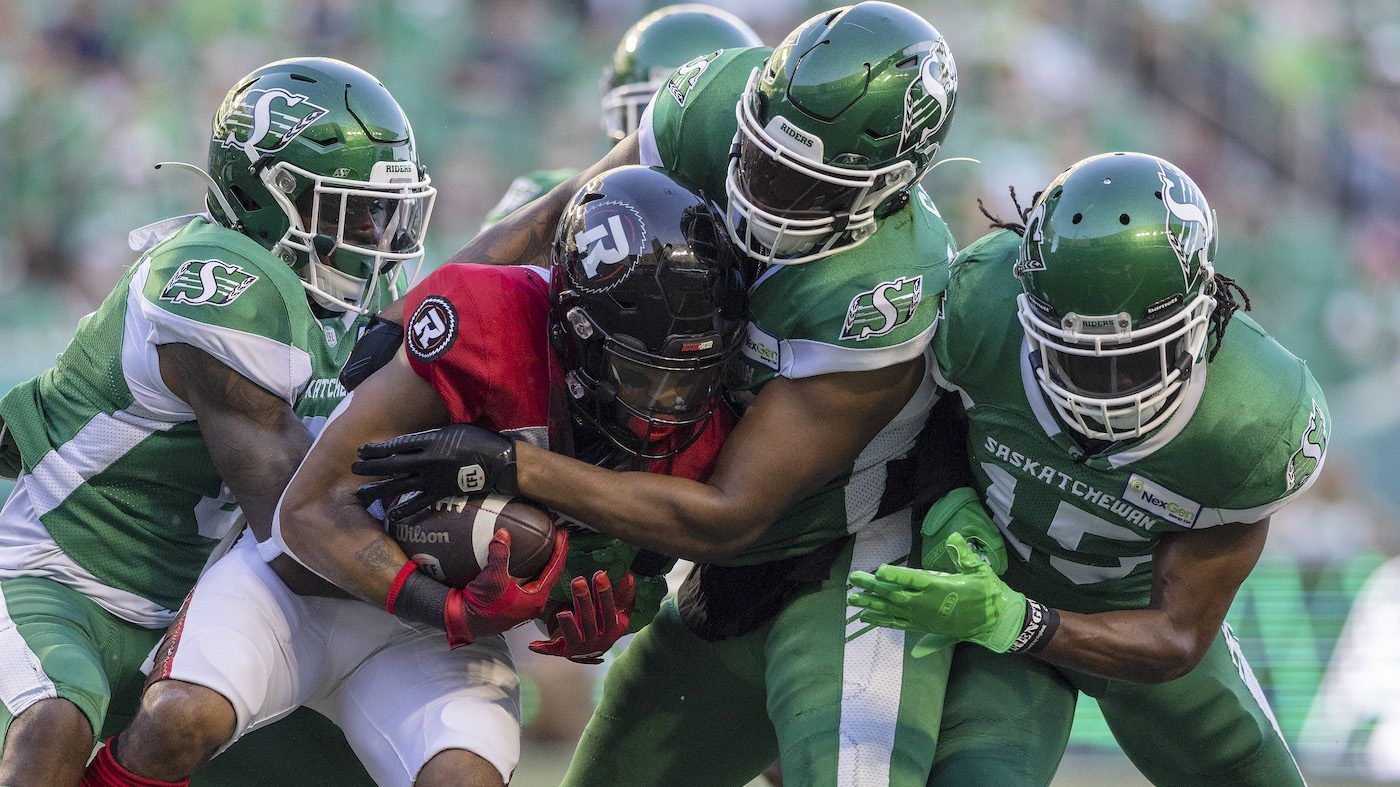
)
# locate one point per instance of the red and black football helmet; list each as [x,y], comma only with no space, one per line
[647,303]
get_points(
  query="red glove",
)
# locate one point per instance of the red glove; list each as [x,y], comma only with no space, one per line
[600,617]
[493,602]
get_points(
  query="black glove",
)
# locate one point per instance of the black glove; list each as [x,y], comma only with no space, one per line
[451,460]
[375,347]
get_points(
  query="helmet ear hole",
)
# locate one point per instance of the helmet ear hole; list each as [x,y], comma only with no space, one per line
[1123,219]
[1078,217]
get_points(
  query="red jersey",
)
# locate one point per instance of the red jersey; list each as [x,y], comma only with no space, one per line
[479,335]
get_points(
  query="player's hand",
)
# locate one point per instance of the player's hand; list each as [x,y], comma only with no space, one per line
[971,604]
[450,460]
[960,511]
[493,602]
[599,618]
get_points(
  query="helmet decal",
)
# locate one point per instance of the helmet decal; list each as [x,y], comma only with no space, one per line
[265,121]
[1197,228]
[1034,236]
[930,93]
[617,235]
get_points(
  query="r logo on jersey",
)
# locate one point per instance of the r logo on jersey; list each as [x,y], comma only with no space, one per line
[615,235]
[211,282]
[878,311]
[433,328]
[264,120]
[1305,461]
[683,81]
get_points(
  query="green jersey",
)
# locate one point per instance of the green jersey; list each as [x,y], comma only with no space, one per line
[122,498]
[864,308]
[1250,434]
[523,190]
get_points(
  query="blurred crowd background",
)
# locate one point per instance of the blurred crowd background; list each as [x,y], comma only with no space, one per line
[1285,112]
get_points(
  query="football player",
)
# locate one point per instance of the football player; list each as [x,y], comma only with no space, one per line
[191,394]
[816,150]
[1131,440]
[648,52]
[637,339]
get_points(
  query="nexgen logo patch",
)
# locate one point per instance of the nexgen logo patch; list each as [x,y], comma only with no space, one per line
[1159,501]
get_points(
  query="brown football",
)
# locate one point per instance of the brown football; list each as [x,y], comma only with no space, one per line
[448,539]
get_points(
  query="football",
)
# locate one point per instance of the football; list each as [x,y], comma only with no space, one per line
[448,539]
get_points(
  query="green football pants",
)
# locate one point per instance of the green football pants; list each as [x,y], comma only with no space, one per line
[56,642]
[1007,720]
[840,702]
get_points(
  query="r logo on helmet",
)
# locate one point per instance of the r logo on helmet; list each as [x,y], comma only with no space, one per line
[433,328]
[614,235]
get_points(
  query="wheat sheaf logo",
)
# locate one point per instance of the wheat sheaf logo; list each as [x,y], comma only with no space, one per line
[929,101]
[265,120]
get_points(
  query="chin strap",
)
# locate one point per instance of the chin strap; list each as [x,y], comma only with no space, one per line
[213,189]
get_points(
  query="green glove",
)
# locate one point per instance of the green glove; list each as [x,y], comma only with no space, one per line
[970,604]
[960,511]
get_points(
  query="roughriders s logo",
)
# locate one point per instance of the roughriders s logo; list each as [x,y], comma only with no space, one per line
[211,282]
[1305,461]
[877,312]
[1029,258]
[608,248]
[433,328]
[929,101]
[683,81]
[1191,239]
[264,121]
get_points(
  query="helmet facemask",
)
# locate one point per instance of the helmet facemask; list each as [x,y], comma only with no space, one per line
[352,232]
[652,406]
[623,107]
[787,208]
[1108,380]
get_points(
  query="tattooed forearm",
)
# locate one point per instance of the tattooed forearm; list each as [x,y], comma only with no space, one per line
[379,554]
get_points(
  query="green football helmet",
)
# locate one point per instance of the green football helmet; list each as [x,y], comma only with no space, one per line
[312,158]
[1117,270]
[656,45]
[839,124]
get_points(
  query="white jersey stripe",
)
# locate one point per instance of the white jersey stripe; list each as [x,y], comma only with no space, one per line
[27,550]
[22,678]
[1247,675]
[872,668]
[102,441]
[808,358]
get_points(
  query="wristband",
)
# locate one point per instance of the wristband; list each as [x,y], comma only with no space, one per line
[394,589]
[1040,625]
[420,599]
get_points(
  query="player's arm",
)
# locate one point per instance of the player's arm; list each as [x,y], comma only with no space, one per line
[320,520]
[325,527]
[525,236]
[254,438]
[1195,577]
[796,437]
